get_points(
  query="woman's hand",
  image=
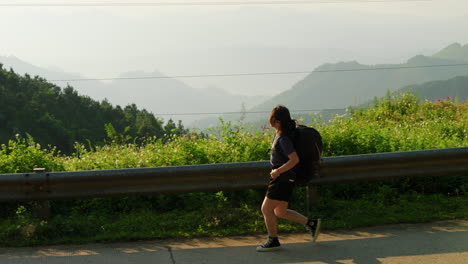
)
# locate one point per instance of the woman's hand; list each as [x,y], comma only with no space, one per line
[274,174]
[293,161]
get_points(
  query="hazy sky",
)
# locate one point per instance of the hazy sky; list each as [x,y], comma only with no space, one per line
[102,42]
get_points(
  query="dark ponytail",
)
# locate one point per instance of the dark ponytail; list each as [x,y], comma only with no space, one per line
[281,114]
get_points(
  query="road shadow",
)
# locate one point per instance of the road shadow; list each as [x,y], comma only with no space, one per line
[364,246]
[359,249]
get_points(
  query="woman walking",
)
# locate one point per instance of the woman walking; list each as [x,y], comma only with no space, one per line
[282,179]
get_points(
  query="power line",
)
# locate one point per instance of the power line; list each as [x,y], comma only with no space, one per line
[258,73]
[252,112]
[200,3]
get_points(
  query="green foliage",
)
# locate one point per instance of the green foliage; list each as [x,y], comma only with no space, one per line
[398,123]
[227,144]
[395,123]
[23,155]
[61,117]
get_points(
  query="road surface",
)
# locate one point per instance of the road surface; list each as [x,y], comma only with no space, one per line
[434,243]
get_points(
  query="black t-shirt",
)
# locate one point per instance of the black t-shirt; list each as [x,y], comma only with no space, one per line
[286,147]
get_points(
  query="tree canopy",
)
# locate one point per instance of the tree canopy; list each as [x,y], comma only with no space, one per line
[60,117]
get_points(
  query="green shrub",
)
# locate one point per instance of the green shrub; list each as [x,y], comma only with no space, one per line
[23,155]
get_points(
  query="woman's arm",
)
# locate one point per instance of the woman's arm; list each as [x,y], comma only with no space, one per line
[293,161]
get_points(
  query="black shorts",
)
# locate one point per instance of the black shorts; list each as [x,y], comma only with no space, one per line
[281,188]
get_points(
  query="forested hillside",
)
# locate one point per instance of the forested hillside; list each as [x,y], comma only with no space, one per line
[456,88]
[61,117]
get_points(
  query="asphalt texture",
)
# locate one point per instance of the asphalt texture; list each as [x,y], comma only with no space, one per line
[438,242]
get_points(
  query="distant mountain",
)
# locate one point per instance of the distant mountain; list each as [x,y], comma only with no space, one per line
[455,88]
[332,86]
[22,67]
[453,52]
[167,95]
[89,88]
[157,95]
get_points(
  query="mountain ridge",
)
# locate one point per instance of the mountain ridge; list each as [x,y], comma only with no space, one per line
[344,84]
[157,95]
[454,51]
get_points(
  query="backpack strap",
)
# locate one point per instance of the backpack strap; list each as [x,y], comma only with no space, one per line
[318,151]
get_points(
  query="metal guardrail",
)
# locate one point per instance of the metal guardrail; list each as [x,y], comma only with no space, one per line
[229,176]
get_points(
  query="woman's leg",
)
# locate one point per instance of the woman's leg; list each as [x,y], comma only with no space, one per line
[281,210]
[268,211]
[272,209]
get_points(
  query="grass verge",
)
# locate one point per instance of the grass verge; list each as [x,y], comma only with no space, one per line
[24,230]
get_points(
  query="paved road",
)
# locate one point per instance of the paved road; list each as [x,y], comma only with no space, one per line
[434,243]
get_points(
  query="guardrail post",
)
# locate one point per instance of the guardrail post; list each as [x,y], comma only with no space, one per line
[41,208]
[311,196]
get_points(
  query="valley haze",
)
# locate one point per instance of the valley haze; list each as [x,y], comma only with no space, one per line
[60,43]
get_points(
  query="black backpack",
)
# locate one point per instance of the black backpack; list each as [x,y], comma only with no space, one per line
[308,144]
